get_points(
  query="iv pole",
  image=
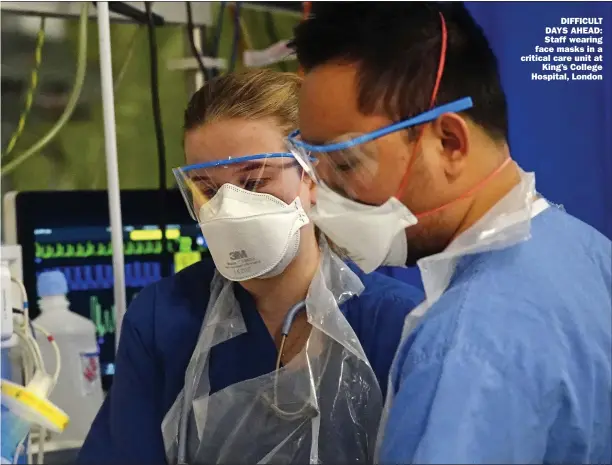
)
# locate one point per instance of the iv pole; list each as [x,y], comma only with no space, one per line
[112,167]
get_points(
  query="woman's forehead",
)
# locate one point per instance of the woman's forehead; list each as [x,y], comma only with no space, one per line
[226,139]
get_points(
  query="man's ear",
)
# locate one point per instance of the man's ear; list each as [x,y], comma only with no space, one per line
[452,131]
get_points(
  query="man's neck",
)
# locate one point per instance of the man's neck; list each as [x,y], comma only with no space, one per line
[491,194]
[275,296]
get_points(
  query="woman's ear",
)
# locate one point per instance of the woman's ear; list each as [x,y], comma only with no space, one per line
[311,186]
[313,192]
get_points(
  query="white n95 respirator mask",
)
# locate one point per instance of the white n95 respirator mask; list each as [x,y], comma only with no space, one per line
[249,234]
[369,235]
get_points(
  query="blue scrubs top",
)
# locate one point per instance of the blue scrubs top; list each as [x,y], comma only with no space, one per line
[158,337]
[411,275]
[513,363]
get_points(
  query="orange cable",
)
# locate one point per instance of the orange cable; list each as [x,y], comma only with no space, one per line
[306,9]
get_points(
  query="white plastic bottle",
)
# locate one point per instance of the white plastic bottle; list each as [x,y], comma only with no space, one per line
[79,388]
[6,318]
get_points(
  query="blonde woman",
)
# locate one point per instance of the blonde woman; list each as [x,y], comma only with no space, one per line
[273,351]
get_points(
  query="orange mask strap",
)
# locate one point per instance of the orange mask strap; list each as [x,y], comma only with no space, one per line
[306,8]
[468,193]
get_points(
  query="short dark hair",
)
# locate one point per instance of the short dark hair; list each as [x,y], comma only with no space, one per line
[396,47]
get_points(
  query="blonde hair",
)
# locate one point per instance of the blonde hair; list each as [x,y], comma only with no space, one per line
[252,94]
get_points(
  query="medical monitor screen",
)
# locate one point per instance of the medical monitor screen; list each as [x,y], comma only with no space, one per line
[84,255]
[74,237]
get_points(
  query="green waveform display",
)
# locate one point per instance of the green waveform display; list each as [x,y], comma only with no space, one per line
[104,249]
[103,319]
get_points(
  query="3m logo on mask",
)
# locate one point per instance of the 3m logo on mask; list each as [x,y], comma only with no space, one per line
[238,255]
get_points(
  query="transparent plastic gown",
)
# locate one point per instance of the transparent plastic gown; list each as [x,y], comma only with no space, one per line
[322,407]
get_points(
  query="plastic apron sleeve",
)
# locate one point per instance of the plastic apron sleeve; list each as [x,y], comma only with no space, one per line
[506,224]
[322,407]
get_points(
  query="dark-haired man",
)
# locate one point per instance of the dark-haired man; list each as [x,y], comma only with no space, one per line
[509,358]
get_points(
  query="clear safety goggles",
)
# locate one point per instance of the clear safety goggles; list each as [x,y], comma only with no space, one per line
[277,174]
[349,164]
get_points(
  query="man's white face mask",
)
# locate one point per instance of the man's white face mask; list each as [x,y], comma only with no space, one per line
[369,235]
[249,234]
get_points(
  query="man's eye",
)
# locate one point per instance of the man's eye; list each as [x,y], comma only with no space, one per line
[344,167]
[344,161]
[347,164]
